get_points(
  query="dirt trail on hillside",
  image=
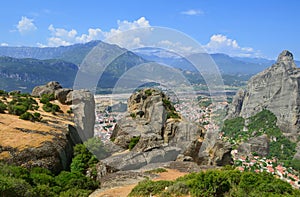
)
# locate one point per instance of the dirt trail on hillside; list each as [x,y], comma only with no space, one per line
[123,191]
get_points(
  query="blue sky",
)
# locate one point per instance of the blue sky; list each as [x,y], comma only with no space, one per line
[239,28]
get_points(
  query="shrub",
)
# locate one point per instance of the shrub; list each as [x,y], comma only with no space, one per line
[173,115]
[133,115]
[32,117]
[75,193]
[27,116]
[68,180]
[133,142]
[148,92]
[3,93]
[10,186]
[157,170]
[49,107]
[46,98]
[3,107]
[148,187]
[17,109]
[42,179]
[95,146]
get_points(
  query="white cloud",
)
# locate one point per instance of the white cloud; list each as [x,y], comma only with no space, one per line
[221,44]
[218,43]
[93,34]
[4,44]
[63,37]
[192,12]
[26,25]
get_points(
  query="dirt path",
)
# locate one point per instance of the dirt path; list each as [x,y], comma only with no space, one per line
[123,191]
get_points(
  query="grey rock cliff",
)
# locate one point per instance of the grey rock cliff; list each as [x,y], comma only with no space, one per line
[161,137]
[83,106]
[49,88]
[276,89]
[259,145]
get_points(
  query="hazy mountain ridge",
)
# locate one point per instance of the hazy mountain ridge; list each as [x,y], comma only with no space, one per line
[226,64]
[73,53]
[26,73]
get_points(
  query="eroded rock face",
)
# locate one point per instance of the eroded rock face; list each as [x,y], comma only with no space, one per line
[83,106]
[133,160]
[147,118]
[162,138]
[61,95]
[275,89]
[49,88]
[259,145]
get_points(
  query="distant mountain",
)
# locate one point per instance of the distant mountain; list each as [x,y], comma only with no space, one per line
[226,64]
[73,53]
[25,74]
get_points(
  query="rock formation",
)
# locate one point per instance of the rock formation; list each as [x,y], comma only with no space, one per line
[276,89]
[49,88]
[163,135]
[258,145]
[48,143]
[83,105]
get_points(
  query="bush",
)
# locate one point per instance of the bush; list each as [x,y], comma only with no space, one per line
[148,187]
[32,117]
[10,186]
[3,93]
[75,193]
[46,98]
[68,180]
[133,115]
[133,142]
[157,170]
[95,146]
[17,109]
[3,107]
[49,107]
[148,92]
[27,116]
[225,182]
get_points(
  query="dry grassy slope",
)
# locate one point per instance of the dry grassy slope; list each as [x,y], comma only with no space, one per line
[18,136]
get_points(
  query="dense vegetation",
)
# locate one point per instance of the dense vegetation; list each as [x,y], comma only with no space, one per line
[263,122]
[18,181]
[49,107]
[25,74]
[25,106]
[225,182]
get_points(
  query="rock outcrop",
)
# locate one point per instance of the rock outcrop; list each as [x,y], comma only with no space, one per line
[48,143]
[49,88]
[83,106]
[258,145]
[82,101]
[163,135]
[276,89]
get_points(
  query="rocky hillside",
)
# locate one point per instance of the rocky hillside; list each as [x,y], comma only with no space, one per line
[39,130]
[154,132]
[266,114]
[275,89]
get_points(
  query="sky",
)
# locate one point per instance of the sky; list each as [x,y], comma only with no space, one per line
[256,28]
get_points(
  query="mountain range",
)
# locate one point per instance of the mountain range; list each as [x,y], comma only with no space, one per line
[25,67]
